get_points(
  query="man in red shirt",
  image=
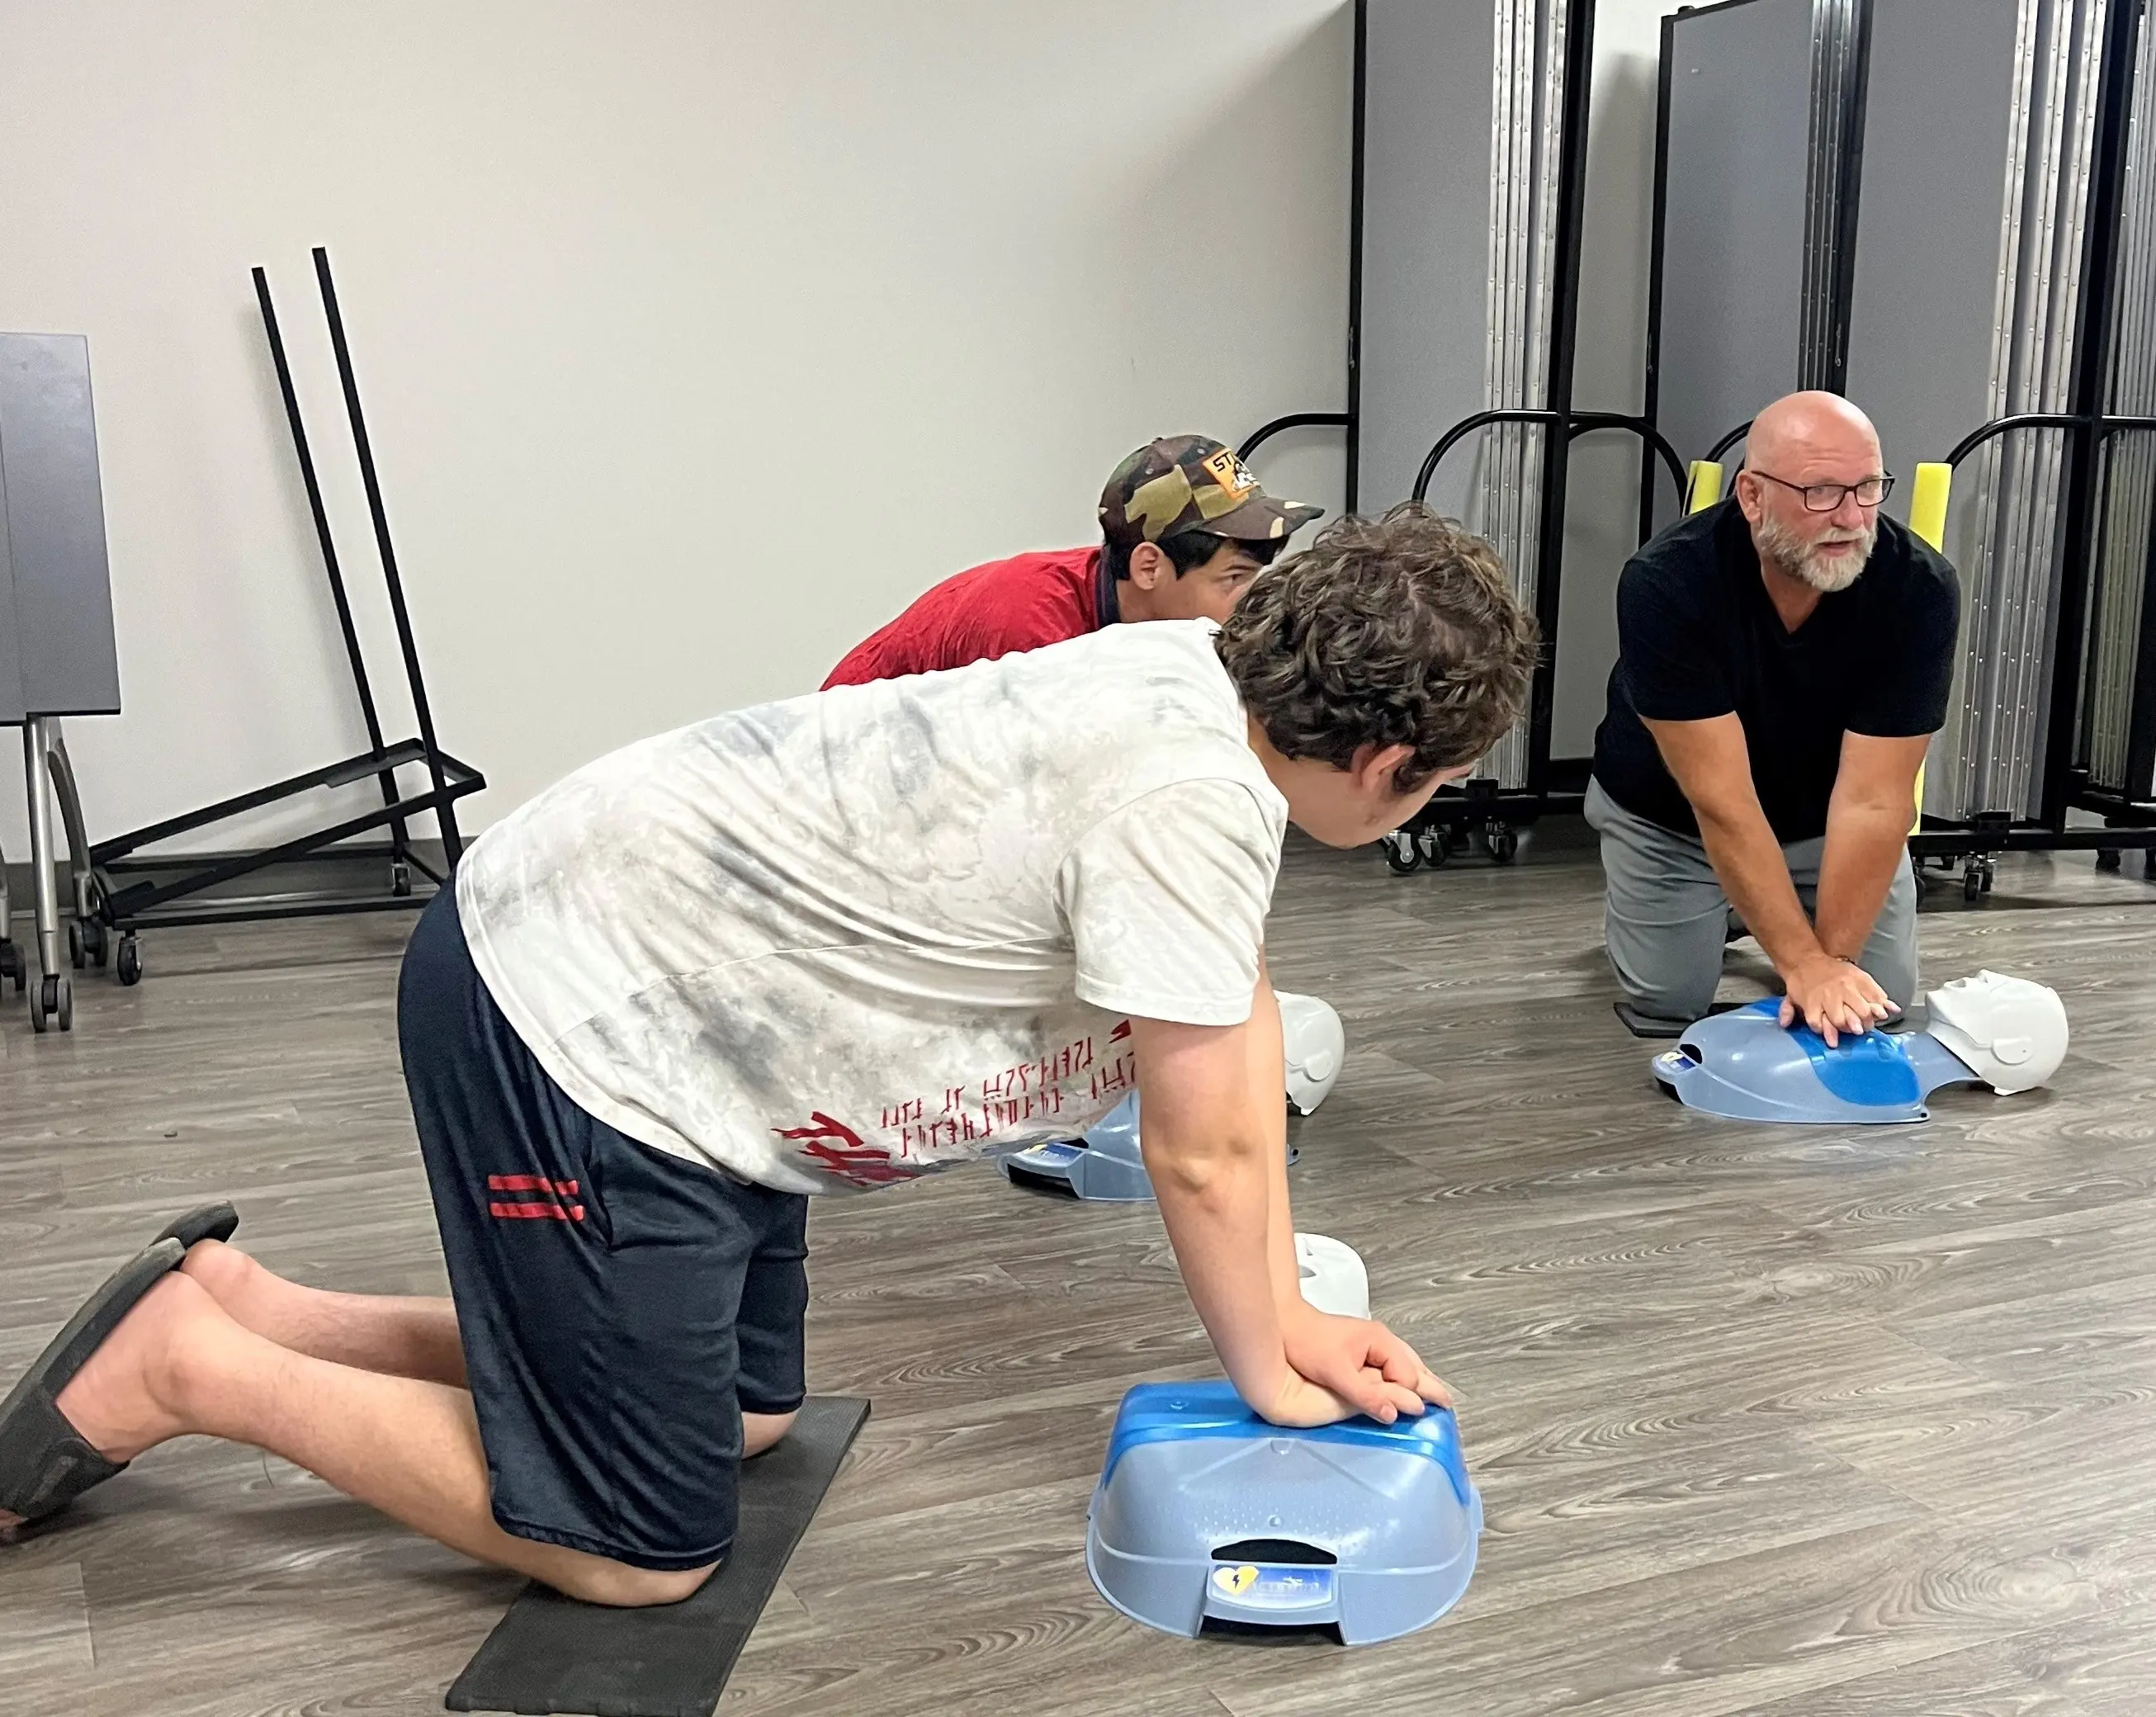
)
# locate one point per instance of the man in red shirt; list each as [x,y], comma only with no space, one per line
[1184,528]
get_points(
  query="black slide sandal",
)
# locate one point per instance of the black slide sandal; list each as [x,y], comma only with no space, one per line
[217,1221]
[44,1464]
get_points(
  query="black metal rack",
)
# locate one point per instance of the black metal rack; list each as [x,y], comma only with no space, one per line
[120,890]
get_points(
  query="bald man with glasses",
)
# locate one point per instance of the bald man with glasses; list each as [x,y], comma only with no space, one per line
[1783,659]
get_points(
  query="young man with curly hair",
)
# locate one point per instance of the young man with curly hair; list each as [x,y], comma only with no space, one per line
[809,948]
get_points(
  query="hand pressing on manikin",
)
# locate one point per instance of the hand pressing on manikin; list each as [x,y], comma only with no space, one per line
[1338,1367]
[1834,997]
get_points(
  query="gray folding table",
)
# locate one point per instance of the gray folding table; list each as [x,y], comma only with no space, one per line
[57,652]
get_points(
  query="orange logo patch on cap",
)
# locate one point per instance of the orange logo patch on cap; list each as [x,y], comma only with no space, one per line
[1230,472]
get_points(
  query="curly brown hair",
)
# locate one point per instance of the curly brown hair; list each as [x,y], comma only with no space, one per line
[1399,630]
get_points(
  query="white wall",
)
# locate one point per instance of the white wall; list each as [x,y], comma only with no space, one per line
[695,337]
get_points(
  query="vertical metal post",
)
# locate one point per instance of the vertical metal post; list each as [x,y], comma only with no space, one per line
[1843,284]
[82,883]
[37,770]
[398,835]
[2091,368]
[1355,262]
[452,843]
[1564,322]
[1650,397]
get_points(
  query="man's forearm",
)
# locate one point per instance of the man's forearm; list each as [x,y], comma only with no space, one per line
[1217,1202]
[1748,863]
[1269,1076]
[1864,848]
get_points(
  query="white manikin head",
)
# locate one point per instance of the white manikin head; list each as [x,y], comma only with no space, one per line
[2010,1031]
[1315,1044]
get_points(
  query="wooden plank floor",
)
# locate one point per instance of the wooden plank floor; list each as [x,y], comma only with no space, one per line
[1812,1423]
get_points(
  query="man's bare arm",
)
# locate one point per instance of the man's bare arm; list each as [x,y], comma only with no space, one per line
[1713,764]
[1867,831]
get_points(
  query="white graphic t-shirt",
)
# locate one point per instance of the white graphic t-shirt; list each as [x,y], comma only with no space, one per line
[844,939]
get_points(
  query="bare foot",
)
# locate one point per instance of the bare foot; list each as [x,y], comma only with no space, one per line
[122,1401]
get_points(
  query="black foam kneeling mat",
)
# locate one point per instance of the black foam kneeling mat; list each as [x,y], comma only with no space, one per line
[553,1654]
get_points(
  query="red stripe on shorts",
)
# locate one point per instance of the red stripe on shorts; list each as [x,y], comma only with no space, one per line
[522,1212]
[530,1183]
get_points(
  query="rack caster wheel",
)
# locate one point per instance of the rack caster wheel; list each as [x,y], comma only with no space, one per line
[78,954]
[1976,880]
[1504,844]
[98,940]
[400,879]
[2109,858]
[1923,884]
[54,1002]
[1402,854]
[128,962]
[12,966]
[1436,849]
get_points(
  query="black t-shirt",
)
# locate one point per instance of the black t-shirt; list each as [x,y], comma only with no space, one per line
[1697,637]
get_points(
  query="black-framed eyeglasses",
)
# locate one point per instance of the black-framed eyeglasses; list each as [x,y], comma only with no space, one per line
[1825,497]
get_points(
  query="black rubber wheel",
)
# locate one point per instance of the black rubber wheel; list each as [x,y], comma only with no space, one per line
[1402,854]
[1504,845]
[1436,849]
[1923,884]
[129,961]
[1972,884]
[54,1001]
[400,879]
[77,955]
[1990,876]
[12,966]
[65,1010]
[2109,858]
[99,940]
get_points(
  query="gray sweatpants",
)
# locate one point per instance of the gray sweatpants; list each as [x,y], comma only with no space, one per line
[1666,919]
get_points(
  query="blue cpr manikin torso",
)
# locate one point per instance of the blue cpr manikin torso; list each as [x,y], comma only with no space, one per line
[1746,1066]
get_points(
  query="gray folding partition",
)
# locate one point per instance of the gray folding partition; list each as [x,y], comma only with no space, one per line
[2119,712]
[1947,210]
[1727,303]
[1759,154]
[1469,166]
[1968,308]
[1925,294]
[1423,315]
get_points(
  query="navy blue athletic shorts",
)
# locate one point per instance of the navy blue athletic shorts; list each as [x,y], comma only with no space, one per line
[620,1308]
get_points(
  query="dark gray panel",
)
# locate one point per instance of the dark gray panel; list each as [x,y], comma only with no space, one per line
[1922,316]
[1731,318]
[60,633]
[1426,241]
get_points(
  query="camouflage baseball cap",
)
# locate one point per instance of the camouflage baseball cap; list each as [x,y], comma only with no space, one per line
[1187,483]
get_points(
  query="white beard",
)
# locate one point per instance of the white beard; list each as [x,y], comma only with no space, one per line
[1804,562]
